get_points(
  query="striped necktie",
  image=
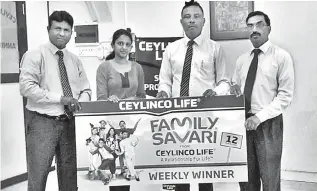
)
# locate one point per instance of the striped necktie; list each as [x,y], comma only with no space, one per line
[249,82]
[64,81]
[184,91]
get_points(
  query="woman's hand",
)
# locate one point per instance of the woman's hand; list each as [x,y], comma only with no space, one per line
[113,98]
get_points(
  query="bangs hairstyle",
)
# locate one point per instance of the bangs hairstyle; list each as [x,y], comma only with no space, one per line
[191,3]
[60,16]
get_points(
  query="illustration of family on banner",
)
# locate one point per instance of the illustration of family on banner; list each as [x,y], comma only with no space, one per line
[162,141]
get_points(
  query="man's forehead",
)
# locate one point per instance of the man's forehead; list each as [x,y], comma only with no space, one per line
[192,10]
[63,23]
[256,19]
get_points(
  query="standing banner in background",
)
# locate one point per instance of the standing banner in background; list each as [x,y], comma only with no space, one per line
[175,140]
[149,53]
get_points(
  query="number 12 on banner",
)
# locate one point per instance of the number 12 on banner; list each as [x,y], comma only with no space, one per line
[231,140]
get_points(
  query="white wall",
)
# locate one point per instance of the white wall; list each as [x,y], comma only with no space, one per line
[13,158]
[293,24]
[13,155]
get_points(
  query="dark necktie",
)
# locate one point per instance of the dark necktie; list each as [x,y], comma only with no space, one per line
[64,81]
[186,70]
[249,82]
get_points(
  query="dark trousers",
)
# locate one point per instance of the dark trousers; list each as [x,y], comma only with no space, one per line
[108,164]
[264,151]
[46,137]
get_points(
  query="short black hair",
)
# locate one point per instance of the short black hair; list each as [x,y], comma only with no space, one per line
[191,3]
[103,121]
[101,139]
[121,121]
[60,16]
[255,13]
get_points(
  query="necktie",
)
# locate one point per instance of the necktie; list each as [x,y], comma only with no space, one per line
[186,70]
[64,81]
[248,88]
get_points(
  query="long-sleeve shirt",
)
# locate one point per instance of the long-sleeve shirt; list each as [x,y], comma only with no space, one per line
[127,146]
[40,79]
[274,83]
[105,154]
[111,82]
[208,68]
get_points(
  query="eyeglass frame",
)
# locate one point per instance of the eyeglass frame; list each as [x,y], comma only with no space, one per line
[258,25]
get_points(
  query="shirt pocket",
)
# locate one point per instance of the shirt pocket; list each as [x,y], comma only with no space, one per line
[206,69]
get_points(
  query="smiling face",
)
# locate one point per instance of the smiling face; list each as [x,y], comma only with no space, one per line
[192,21]
[122,125]
[111,132]
[59,33]
[122,46]
[258,30]
[101,143]
[125,135]
[103,123]
[94,131]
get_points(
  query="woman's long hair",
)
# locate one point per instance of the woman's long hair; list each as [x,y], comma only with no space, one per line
[108,134]
[115,36]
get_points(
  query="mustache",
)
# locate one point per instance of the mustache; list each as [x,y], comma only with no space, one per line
[255,33]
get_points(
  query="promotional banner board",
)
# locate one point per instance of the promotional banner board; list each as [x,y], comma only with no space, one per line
[162,141]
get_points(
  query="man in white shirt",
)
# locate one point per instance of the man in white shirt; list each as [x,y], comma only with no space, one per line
[127,150]
[208,74]
[265,75]
[193,65]
[107,160]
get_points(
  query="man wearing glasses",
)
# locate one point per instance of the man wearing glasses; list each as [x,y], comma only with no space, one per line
[265,75]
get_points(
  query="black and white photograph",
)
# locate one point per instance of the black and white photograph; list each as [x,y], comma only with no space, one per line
[105,95]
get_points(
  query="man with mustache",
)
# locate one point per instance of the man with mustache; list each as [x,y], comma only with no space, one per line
[265,75]
[193,65]
[54,82]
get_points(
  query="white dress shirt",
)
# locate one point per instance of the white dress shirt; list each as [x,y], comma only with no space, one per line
[40,79]
[208,68]
[274,83]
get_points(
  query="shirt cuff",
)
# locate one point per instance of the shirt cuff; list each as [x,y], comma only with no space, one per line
[262,115]
[165,89]
[84,97]
[223,88]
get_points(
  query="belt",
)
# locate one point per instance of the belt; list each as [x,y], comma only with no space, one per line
[62,117]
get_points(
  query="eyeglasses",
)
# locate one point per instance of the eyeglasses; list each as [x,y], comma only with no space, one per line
[258,25]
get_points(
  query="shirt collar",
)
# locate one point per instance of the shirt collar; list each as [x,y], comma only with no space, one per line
[54,49]
[264,48]
[198,40]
